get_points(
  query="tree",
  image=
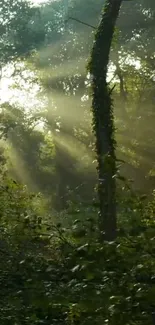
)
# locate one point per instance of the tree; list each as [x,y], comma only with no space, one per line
[103,119]
[21,30]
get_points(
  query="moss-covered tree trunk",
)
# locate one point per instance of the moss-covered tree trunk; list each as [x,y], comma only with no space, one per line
[103,124]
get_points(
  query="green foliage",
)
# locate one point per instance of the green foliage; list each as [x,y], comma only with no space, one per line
[34,149]
[18,34]
[54,269]
[69,277]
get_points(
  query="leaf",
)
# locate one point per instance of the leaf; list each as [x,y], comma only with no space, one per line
[76,221]
[83,247]
[49,269]
[22,262]
[89,276]
[76,268]
[121,178]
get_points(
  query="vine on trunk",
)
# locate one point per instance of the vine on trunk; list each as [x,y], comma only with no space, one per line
[103,124]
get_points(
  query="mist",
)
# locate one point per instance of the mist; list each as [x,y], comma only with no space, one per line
[52,90]
[77,162]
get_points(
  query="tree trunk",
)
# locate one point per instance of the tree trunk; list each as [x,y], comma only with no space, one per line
[103,125]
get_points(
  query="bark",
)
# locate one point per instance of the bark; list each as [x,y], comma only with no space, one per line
[123,91]
[103,125]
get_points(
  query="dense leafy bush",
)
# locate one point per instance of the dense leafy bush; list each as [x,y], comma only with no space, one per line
[55,275]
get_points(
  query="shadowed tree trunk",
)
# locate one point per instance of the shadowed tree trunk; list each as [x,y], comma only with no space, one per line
[103,125]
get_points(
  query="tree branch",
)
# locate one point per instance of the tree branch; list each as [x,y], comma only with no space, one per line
[80,21]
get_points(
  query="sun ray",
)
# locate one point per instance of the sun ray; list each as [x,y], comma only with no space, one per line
[18,167]
[70,109]
[76,149]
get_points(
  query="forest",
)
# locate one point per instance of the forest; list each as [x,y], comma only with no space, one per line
[77,162]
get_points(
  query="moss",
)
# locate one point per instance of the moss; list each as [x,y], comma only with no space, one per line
[103,124]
